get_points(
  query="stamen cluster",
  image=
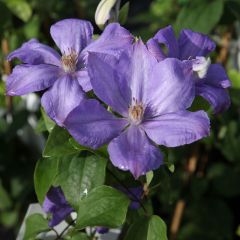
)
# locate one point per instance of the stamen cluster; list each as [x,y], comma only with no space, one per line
[136,112]
[69,62]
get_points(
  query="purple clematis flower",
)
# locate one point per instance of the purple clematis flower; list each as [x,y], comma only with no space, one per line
[63,77]
[102,230]
[211,79]
[135,194]
[151,98]
[56,204]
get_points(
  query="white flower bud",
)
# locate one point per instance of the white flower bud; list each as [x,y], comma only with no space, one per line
[107,11]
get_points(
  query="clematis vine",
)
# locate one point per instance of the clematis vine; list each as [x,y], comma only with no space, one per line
[65,76]
[56,204]
[150,99]
[211,79]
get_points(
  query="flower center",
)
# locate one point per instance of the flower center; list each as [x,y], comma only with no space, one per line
[136,112]
[69,62]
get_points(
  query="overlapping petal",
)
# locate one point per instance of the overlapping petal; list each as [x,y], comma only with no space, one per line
[216,76]
[72,35]
[83,79]
[178,128]
[217,97]
[170,87]
[113,40]
[31,78]
[62,98]
[192,44]
[33,52]
[155,50]
[133,151]
[92,125]
[139,65]
[108,82]
[167,37]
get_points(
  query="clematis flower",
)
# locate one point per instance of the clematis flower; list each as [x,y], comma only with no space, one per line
[56,204]
[65,76]
[135,194]
[102,230]
[211,79]
[150,99]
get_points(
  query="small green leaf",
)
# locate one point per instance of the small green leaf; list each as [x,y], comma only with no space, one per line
[35,224]
[238,231]
[5,201]
[58,144]
[234,76]
[123,13]
[101,152]
[157,229]
[74,235]
[31,29]
[49,123]
[79,175]
[9,218]
[44,175]
[201,16]
[103,206]
[20,8]
[149,177]
[147,228]
[171,167]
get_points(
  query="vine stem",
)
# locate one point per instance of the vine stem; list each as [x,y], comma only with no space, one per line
[7,71]
[131,193]
[65,229]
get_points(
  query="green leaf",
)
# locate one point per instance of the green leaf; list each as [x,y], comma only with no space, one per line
[123,13]
[79,175]
[157,229]
[101,152]
[201,16]
[9,218]
[31,30]
[49,123]
[103,206]
[138,230]
[234,76]
[171,167]
[238,231]
[58,144]
[147,228]
[20,8]
[5,201]
[74,235]
[35,224]
[149,177]
[44,175]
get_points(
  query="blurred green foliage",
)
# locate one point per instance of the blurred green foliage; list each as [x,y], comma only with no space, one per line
[212,196]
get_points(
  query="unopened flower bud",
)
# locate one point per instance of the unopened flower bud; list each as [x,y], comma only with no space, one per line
[107,11]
